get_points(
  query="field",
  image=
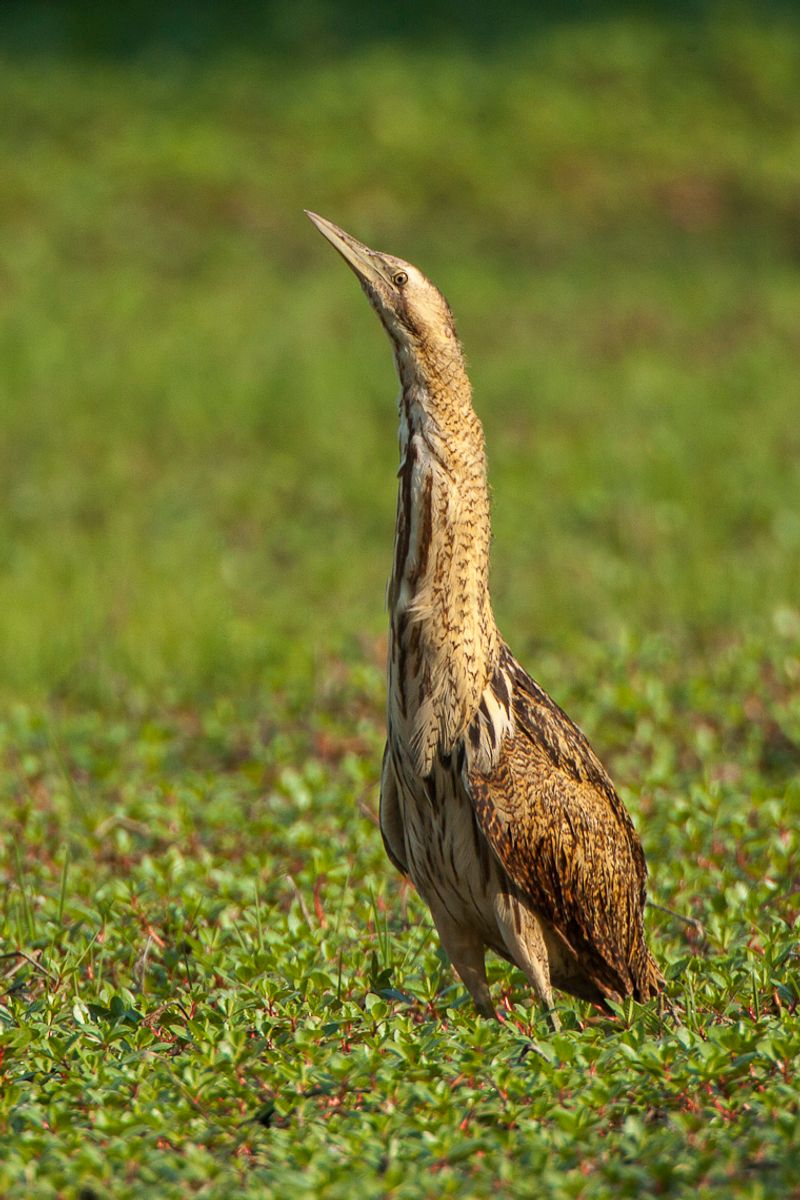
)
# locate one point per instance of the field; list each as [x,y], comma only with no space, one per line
[212,982]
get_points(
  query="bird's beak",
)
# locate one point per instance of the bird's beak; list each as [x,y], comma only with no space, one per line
[366,263]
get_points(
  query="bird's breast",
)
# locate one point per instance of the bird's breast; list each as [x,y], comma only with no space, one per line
[448,858]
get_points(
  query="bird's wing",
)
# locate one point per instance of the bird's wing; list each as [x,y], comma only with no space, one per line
[553,819]
[391,817]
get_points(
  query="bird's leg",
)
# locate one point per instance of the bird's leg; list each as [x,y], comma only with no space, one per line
[553,1020]
[466,952]
[525,942]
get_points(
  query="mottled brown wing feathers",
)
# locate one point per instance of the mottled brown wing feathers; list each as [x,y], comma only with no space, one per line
[555,822]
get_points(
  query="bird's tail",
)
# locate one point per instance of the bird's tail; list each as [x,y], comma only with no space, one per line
[647,979]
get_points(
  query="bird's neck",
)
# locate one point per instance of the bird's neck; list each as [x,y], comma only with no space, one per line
[443,638]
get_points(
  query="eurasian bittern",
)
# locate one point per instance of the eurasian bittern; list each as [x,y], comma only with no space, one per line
[492,800]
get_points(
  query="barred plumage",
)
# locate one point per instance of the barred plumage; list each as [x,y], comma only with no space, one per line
[492,800]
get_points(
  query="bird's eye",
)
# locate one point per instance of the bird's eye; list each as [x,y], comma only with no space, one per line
[400,279]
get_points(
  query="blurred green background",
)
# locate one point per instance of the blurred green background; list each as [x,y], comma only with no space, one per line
[197,444]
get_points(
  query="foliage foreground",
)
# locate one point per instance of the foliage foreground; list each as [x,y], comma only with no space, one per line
[220,990]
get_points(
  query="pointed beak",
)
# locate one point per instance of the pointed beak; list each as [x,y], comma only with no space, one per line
[365,263]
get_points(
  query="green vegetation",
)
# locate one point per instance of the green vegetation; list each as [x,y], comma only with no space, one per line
[213,984]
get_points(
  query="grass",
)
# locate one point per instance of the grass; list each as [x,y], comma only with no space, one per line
[212,983]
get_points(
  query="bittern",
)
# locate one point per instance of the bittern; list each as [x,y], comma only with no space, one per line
[492,801]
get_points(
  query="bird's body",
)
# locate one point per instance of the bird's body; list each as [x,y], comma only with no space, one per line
[492,800]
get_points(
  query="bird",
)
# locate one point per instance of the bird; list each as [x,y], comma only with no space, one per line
[492,801]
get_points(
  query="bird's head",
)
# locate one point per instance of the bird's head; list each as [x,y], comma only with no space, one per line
[412,310]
